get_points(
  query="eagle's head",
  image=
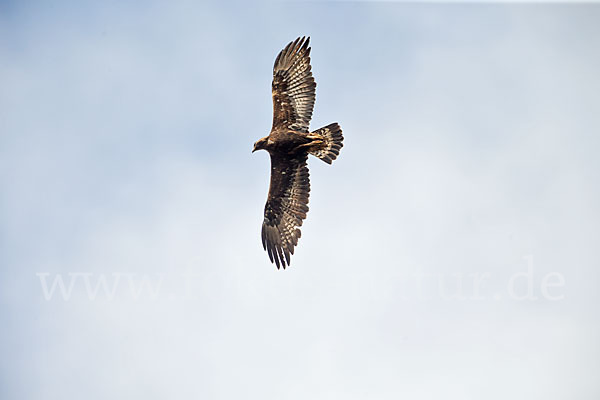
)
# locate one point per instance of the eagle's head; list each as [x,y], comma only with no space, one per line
[261,144]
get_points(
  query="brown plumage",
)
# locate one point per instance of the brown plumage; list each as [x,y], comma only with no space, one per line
[289,144]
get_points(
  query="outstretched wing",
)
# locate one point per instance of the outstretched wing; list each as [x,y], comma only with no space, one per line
[293,87]
[286,207]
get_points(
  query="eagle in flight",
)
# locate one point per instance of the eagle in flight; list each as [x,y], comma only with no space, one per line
[289,144]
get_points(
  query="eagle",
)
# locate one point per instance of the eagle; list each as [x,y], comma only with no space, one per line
[289,143]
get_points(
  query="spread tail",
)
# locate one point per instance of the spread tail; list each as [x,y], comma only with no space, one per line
[332,143]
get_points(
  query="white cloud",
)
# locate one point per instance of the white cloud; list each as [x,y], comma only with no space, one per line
[469,144]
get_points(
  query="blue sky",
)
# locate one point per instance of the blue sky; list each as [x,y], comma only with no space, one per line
[450,251]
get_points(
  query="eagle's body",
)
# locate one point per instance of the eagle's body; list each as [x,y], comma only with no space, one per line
[289,144]
[286,141]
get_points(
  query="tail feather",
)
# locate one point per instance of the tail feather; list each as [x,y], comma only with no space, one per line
[332,143]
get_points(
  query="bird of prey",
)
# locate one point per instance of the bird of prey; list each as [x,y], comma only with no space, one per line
[289,144]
